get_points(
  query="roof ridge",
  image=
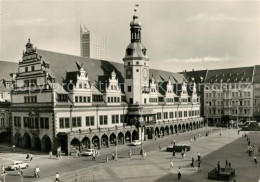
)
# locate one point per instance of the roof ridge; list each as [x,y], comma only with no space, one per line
[76,56]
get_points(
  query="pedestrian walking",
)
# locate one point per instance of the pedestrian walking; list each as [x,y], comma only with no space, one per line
[57,177]
[218,167]
[93,156]
[160,147]
[31,157]
[113,156]
[173,154]
[27,156]
[182,153]
[13,148]
[255,159]
[229,165]
[192,162]
[179,173]
[144,155]
[238,131]
[37,172]
[50,154]
[199,157]
[194,138]
[226,164]
[174,142]
[130,153]
[155,138]
[171,165]
[199,166]
[3,169]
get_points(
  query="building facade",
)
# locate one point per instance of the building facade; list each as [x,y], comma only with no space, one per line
[92,45]
[89,103]
[5,100]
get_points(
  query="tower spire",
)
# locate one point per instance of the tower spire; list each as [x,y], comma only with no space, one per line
[135,25]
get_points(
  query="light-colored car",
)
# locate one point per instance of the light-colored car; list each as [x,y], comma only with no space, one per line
[89,152]
[136,142]
[16,164]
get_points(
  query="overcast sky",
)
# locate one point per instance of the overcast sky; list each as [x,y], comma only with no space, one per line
[178,35]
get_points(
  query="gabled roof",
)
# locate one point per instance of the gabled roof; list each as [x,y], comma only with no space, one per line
[6,68]
[62,63]
[243,74]
[3,87]
[199,75]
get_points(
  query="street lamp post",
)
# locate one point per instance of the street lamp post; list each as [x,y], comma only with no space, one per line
[207,117]
[97,115]
[141,125]
[237,113]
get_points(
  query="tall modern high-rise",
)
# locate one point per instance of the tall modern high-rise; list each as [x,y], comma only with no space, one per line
[91,44]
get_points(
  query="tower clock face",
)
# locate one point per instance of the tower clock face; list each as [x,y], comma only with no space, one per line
[129,73]
[145,73]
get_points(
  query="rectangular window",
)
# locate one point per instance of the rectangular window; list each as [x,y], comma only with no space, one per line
[74,122]
[67,122]
[159,115]
[165,115]
[88,99]
[84,99]
[103,120]
[80,99]
[61,122]
[46,123]
[129,89]
[76,99]
[36,122]
[121,118]
[78,121]
[26,69]
[90,121]
[113,119]
[32,67]
[41,123]
[25,121]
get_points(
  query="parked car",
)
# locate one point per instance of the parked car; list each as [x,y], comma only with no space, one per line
[136,142]
[89,152]
[16,164]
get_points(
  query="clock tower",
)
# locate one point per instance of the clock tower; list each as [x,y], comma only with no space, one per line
[136,65]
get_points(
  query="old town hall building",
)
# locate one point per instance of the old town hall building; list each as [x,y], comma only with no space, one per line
[65,100]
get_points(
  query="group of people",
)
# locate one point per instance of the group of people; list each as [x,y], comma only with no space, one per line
[251,148]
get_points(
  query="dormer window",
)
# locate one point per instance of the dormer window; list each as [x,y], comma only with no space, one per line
[80,85]
[129,51]
[144,52]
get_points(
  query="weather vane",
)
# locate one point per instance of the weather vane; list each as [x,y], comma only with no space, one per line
[136,5]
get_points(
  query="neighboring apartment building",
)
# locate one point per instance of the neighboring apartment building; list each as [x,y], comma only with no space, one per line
[229,94]
[92,45]
[256,92]
[64,100]
[5,99]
